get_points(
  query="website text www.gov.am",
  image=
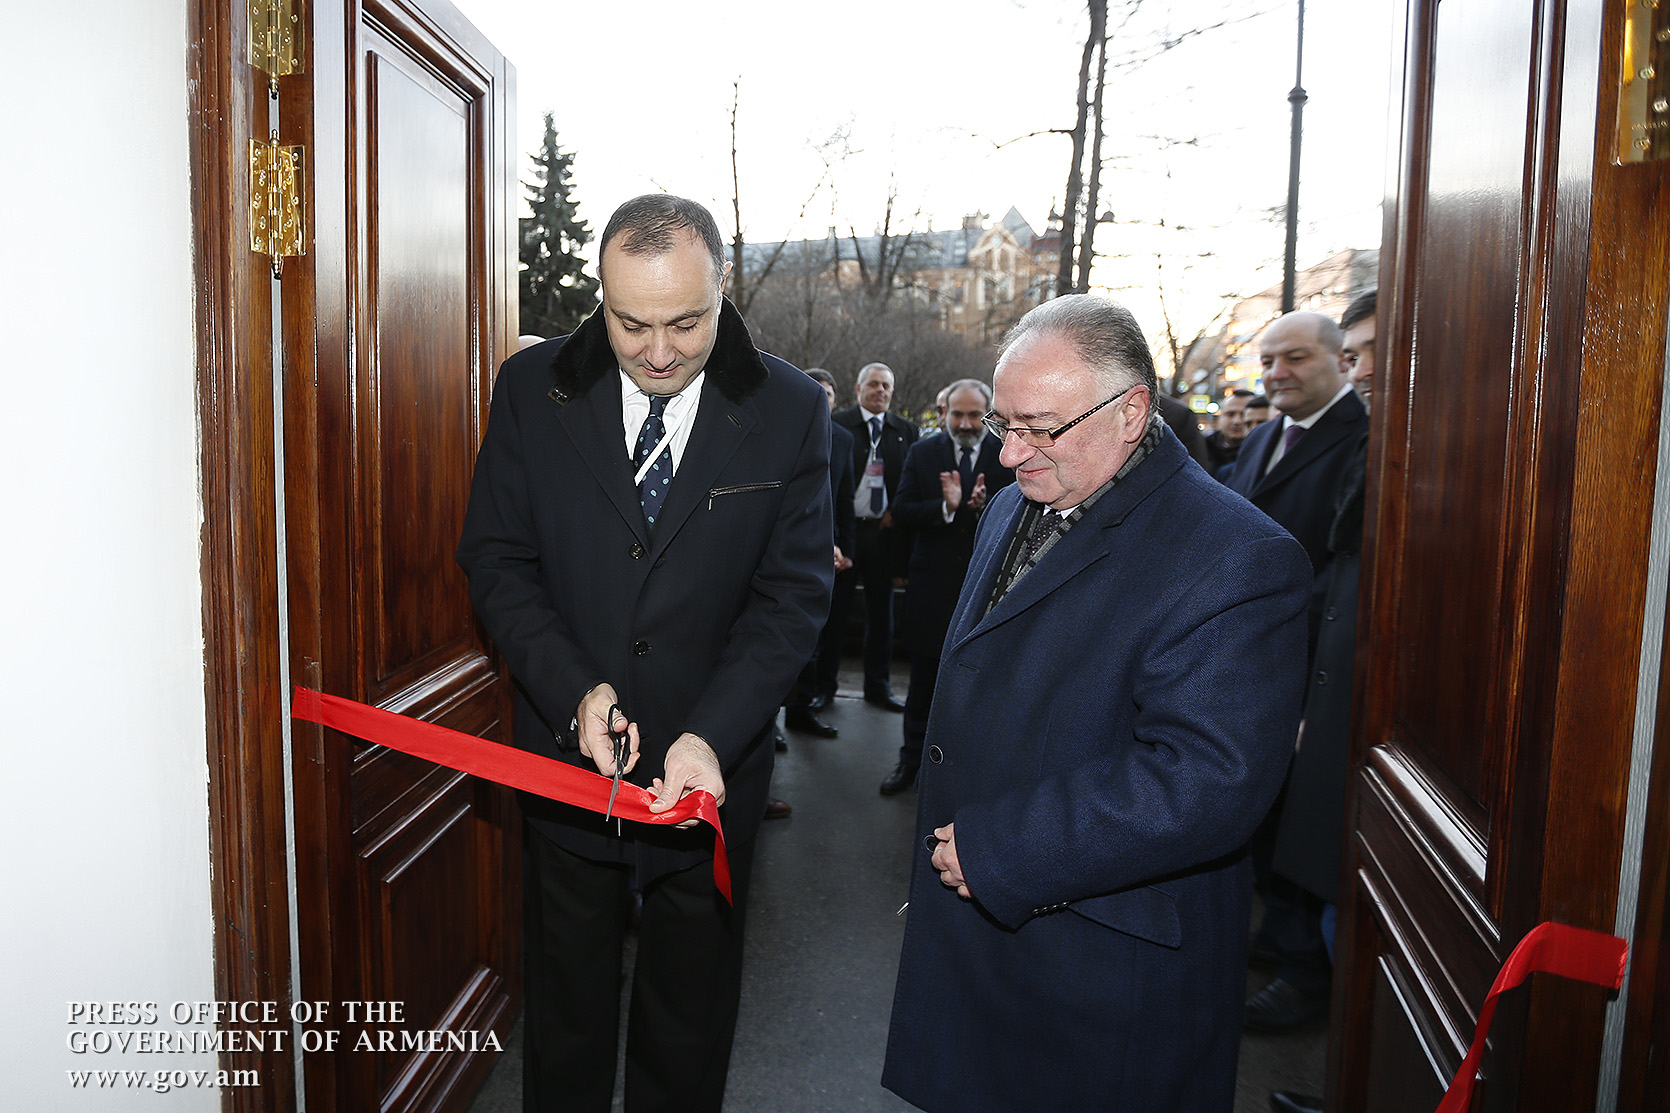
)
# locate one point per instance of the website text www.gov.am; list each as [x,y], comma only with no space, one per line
[159,1081]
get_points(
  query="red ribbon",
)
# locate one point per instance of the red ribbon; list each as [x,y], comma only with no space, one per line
[1587,956]
[509,766]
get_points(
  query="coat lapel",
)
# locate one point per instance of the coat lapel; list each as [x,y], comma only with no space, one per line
[593,422]
[1083,545]
[1332,428]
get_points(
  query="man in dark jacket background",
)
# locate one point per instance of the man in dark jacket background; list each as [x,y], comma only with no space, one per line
[880,440]
[947,480]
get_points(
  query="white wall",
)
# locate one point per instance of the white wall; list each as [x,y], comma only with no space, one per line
[103,786]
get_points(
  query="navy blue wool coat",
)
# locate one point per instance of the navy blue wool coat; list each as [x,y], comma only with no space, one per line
[1105,740]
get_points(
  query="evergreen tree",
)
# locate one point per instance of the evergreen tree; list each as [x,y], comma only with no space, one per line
[556,296]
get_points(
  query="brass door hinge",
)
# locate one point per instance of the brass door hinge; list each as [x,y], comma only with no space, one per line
[277,226]
[273,25]
[1644,83]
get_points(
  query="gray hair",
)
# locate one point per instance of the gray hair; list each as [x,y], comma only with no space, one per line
[648,225]
[1103,332]
[969,384]
[862,371]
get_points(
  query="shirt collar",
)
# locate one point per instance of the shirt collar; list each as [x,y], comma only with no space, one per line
[631,391]
[1317,416]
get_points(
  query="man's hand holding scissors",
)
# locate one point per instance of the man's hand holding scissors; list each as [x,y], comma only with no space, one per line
[598,718]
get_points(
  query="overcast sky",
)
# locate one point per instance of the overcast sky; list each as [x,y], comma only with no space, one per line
[934,95]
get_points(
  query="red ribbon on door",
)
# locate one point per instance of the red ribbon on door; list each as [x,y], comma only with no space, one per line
[507,765]
[1587,956]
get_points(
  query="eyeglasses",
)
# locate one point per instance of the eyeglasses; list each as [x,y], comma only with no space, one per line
[1043,438]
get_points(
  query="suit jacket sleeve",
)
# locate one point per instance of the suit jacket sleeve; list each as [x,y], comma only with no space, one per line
[1196,777]
[919,503]
[788,602]
[500,555]
[843,491]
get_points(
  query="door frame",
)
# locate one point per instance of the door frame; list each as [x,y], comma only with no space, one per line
[241,571]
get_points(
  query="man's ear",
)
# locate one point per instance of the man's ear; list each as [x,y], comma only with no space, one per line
[1136,414]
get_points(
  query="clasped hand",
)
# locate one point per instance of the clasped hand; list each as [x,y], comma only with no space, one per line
[946,862]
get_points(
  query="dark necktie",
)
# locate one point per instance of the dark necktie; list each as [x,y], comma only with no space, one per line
[965,466]
[1291,438]
[652,492]
[1047,521]
[876,493]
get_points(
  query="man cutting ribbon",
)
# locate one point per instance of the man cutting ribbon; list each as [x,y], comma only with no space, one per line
[647,544]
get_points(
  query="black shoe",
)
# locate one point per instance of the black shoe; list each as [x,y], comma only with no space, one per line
[803,720]
[778,742]
[819,702]
[884,700]
[1283,1007]
[1283,1102]
[902,777]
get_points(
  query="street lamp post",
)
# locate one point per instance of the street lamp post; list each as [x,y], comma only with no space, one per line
[1297,99]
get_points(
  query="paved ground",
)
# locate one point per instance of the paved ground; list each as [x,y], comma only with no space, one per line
[823,942]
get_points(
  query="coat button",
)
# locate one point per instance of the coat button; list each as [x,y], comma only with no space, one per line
[1321,677]
[936,755]
[640,648]
[637,551]
[930,842]
[1333,613]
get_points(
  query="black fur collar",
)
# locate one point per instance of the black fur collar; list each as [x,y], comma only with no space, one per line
[585,357]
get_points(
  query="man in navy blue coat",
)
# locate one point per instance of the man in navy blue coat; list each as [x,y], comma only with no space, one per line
[1078,907]
[648,545]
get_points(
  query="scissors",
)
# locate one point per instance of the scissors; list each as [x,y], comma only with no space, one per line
[619,740]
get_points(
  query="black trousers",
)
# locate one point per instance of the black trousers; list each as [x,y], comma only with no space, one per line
[1292,923]
[924,673]
[874,566]
[685,989]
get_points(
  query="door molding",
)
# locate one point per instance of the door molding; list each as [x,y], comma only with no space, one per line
[243,659]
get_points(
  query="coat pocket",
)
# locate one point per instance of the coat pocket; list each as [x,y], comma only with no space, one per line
[740,488]
[1147,913]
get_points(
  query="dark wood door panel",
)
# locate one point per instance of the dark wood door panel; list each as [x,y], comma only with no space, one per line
[1468,284]
[1419,868]
[410,871]
[1402,1076]
[423,244]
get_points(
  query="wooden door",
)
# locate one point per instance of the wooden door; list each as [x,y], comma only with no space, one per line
[407,873]
[1515,437]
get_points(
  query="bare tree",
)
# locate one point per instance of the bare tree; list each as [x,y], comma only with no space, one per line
[741,287]
[1094,41]
[1083,196]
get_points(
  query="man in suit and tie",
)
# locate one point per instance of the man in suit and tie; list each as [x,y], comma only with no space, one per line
[648,544]
[799,713]
[1292,468]
[1080,893]
[948,478]
[880,441]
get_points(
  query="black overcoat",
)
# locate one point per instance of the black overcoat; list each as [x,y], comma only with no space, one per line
[701,625]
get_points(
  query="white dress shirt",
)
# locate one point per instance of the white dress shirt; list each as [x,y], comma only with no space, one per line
[679,416]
